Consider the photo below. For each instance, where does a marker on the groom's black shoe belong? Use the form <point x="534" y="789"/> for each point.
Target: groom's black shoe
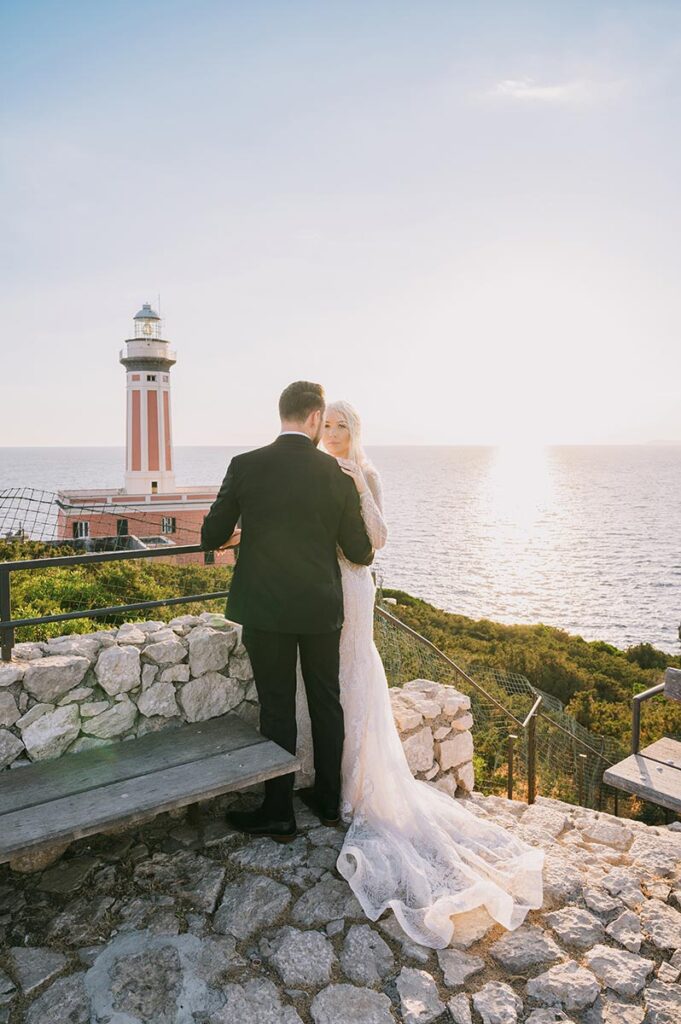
<point x="327" y="814"/>
<point x="260" y="823"/>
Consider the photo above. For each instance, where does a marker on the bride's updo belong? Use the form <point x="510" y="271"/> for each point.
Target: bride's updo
<point x="351" y="417"/>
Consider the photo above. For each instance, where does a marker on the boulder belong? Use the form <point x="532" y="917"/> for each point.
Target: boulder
<point x="118" y="669"/>
<point x="49" y="678"/>
<point x="50" y="735"/>
<point x="208" y="696"/>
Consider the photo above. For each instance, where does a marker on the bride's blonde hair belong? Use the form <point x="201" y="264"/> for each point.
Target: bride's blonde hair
<point x="351" y="417"/>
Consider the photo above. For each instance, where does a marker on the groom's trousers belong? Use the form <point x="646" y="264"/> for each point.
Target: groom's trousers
<point x="274" y="660"/>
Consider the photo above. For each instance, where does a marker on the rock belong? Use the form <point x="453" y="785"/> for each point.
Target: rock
<point x="86" y="647"/>
<point x="608" y="833"/>
<point x="12" y="671"/>
<point x="174" y="673"/>
<point x="623" y="883"/>
<point x="565" y="984"/>
<point x="209" y="649"/>
<point x="302" y="958"/>
<point x="662" y="1003"/>
<point x="130" y="633"/>
<point x="94" y="707"/>
<point x="419" y="750"/>
<point x="52" y="733"/>
<point x="346" y="1004"/>
<point x="609" y="1010"/>
<point x="265" y="854"/>
<point x="326" y="901"/>
<point x="9" y="712"/>
<point x="28" y="651"/>
<point x="465" y="776"/>
<point x="576" y="926"/>
<point x="10" y="747"/>
<point x="460" y="1009"/>
<point x="365" y="958"/>
<point x="82" y="922"/>
<point x="186" y="875"/>
<point x="147" y="985"/>
<point x="80" y="693"/>
<point x="166" y="652"/>
<point x="149" y="673"/>
<point x="457" y="966"/>
<point x="254" y="1002"/>
<point x="419" y="1000"/>
<point x="406" y="717"/>
<point x="525" y="947"/>
<point x="410" y="949"/>
<point x="39" y="859"/>
<point x="240" y="668"/>
<point x="158" y="699"/>
<point x="470" y="926"/>
<point x="87" y="743"/>
<point x="117" y="720"/>
<point x="661" y="924"/>
<point x="51" y="677"/>
<point x="562" y="879"/>
<point x="7" y="995"/>
<point x="549" y="1016"/>
<point x="497" y="1003"/>
<point x="68" y="876"/>
<point x="65" y="1001"/>
<point x="35" y="966"/>
<point x="456" y="750"/>
<point x="430" y="709"/>
<point x="208" y="696"/>
<point x="550" y="819"/>
<point x="626" y="929"/>
<point x="600" y="901"/>
<point x="32" y="714"/>
<point x="118" y="669"/>
<point x="249" y="904"/>
<point x="621" y="971"/>
<point x="462" y="722"/>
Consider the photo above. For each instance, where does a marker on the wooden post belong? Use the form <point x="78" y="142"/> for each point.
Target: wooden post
<point x="581" y="760"/>
<point x="512" y="737"/>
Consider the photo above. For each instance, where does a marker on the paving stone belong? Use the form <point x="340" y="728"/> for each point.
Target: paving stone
<point x="662" y="1003"/>
<point x="608" y="1009"/>
<point x="576" y="926"/>
<point x="249" y="904"/>
<point x="525" y="947"/>
<point x="365" y="958"/>
<point x="412" y="950"/>
<point x="608" y="833"/>
<point x="623" y="972"/>
<point x="565" y="984"/>
<point x="265" y="854"/>
<point x="419" y="1000"/>
<point x="82" y="922"/>
<point x="470" y="926"/>
<point x="328" y="900"/>
<point x="35" y="966"/>
<point x="600" y="901"/>
<point x="68" y="875"/>
<point x="626" y="929"/>
<point x="147" y="985"/>
<point x="254" y="1002"/>
<point x="302" y="957"/>
<point x="460" y="1009"/>
<point x="347" y="1004"/>
<point x="186" y="874"/>
<point x="497" y="1003"/>
<point x="457" y="966"/>
<point x="624" y="883"/>
<point x="561" y="877"/>
<point x="7" y="990"/>
<point x="661" y="924"/>
<point x="66" y="1001"/>
<point x="548" y="1016"/>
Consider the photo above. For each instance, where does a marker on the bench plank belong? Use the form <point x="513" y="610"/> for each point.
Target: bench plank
<point x="127" y="759"/>
<point x="651" y="780"/>
<point x="130" y="801"/>
<point x="665" y="750"/>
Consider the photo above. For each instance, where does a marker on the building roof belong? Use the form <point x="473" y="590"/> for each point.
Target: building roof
<point x="146" y="313"/>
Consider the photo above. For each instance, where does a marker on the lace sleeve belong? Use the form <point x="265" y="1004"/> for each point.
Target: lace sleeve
<point x="371" y="502"/>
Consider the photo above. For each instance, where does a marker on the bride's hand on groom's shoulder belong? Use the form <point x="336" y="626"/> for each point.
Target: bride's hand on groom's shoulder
<point x="353" y="470"/>
<point x="233" y="541"/>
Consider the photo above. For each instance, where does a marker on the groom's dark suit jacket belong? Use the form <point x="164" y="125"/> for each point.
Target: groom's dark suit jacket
<point x="295" y="505"/>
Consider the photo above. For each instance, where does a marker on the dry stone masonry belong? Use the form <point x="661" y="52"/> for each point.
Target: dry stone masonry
<point x="75" y="692"/>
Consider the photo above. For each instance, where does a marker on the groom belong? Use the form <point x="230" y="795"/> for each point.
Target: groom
<point x="296" y="505"/>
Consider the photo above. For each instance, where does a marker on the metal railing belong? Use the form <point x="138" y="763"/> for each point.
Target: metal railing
<point x="8" y="625"/>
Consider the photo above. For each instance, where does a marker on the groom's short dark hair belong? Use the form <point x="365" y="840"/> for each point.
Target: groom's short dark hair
<point x="299" y="399"/>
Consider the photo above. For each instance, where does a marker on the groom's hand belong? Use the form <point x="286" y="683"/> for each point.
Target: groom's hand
<point x="233" y="541"/>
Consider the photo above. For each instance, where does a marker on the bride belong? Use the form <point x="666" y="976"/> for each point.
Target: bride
<point x="409" y="846"/>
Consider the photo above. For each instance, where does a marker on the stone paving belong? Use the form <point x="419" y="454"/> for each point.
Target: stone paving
<point x="173" y="923"/>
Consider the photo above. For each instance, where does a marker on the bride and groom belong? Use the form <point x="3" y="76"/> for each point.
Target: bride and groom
<point x="311" y="521"/>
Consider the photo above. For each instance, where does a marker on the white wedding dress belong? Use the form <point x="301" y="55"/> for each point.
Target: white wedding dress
<point x="409" y="846"/>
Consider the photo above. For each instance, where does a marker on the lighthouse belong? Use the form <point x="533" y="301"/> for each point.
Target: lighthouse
<point x="147" y="359"/>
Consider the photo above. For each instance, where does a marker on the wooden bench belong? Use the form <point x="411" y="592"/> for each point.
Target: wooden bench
<point x="123" y="783"/>
<point x="654" y="773"/>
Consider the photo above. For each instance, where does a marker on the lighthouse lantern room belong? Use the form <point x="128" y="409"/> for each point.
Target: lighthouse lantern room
<point x="149" y="450"/>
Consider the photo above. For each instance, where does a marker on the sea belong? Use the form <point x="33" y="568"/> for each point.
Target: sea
<point x="585" y="538"/>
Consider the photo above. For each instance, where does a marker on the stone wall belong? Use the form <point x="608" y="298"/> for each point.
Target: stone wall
<point x="85" y="690"/>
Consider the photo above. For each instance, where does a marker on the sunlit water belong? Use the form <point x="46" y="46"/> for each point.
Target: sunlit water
<point x="584" y="538"/>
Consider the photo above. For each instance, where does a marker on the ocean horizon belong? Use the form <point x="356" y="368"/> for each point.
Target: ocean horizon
<point x="581" y="537"/>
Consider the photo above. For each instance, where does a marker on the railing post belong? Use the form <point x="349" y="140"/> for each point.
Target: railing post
<point x="616" y="808"/>
<point x="531" y="758"/>
<point x="512" y="737"/>
<point x="6" y="635"/>
<point x="581" y="761"/>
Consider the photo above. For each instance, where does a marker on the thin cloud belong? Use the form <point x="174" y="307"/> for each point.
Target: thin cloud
<point x="577" y="91"/>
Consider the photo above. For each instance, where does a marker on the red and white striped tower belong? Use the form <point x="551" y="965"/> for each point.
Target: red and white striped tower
<point x="147" y="359"/>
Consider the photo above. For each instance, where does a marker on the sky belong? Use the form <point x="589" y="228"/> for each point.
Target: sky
<point x="462" y="217"/>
